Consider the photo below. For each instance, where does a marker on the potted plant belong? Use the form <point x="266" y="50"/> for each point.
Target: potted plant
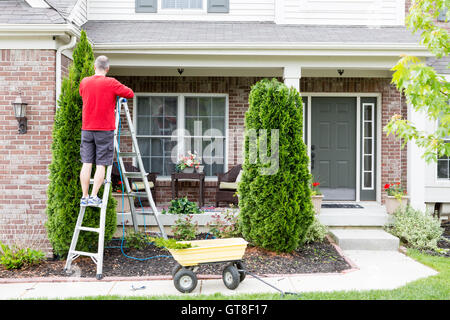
<point x="396" y="197"/>
<point x="117" y="194"/>
<point x="316" y="196"/>
<point x="187" y="163"/>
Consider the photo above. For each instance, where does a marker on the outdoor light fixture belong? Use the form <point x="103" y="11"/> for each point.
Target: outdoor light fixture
<point x="20" y="112"/>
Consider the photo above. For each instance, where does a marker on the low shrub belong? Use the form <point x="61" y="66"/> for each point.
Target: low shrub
<point x="136" y="240"/>
<point x="417" y="229"/>
<point x="182" y="206"/>
<point x="316" y="232"/>
<point x="15" y="257"/>
<point x="184" y="228"/>
<point x="224" y="226"/>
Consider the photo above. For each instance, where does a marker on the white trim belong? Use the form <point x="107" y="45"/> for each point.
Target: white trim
<point x="358" y="149"/>
<point x="180" y="120"/>
<point x="363" y="171"/>
<point x="358" y="96"/>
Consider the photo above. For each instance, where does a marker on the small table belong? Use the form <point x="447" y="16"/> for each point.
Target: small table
<point x="188" y="176"/>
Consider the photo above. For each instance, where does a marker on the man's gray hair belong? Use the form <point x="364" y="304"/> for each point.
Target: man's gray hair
<point x="102" y="63"/>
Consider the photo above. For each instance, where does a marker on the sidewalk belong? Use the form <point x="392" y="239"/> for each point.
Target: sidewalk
<point x="374" y="270"/>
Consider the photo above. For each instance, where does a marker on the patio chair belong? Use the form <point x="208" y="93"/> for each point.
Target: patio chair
<point x="227" y="185"/>
<point x="136" y="184"/>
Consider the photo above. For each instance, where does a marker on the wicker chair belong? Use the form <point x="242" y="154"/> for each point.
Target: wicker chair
<point x="136" y="184"/>
<point x="227" y="185"/>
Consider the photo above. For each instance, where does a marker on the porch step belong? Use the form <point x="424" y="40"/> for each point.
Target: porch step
<point x="371" y="215"/>
<point x="364" y="239"/>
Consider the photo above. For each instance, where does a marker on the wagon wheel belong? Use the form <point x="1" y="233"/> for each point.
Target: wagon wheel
<point x="185" y="280"/>
<point x="231" y="277"/>
<point x="175" y="269"/>
<point x="241" y="269"/>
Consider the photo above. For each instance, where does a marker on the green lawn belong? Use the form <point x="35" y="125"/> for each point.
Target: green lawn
<point x="431" y="288"/>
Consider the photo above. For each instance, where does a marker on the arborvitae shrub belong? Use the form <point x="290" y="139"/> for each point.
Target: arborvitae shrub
<point x="64" y="190"/>
<point x="276" y="209"/>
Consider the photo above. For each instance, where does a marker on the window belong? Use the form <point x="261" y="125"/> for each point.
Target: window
<point x="443" y="166"/>
<point x="368" y="145"/>
<point x="168" y="126"/>
<point x="181" y="4"/>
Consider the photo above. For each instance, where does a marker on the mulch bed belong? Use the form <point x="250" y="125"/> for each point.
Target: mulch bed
<point x="318" y="257"/>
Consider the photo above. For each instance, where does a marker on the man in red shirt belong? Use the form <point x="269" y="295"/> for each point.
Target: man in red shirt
<point x="98" y="124"/>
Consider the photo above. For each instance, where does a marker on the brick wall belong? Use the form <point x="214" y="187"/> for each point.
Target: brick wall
<point x="24" y="158"/>
<point x="393" y="157"/>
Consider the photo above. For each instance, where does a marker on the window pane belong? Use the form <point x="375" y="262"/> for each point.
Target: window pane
<point x="143" y="125"/>
<point x="367" y="180"/>
<point x="191" y="107"/>
<point x="143" y="106"/>
<point x="219" y="124"/>
<point x="367" y="146"/>
<point x="443" y="169"/>
<point x="368" y="112"/>
<point x="367" y="129"/>
<point x="218" y="106"/>
<point x="157" y="106"/>
<point x="204" y="106"/>
<point x="367" y="163"/>
<point x="144" y="146"/>
<point x="171" y="106"/>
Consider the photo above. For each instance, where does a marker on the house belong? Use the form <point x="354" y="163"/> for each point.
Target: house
<point x="195" y="61"/>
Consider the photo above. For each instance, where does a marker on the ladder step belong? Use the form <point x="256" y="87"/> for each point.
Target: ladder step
<point x="89" y="229"/>
<point x="125" y="133"/>
<point x="134" y="174"/>
<point x="145" y="212"/>
<point x="138" y="194"/>
<point x="82" y="253"/>
<point x="127" y="154"/>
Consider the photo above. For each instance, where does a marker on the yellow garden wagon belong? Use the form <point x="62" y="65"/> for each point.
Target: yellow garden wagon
<point x="206" y="252"/>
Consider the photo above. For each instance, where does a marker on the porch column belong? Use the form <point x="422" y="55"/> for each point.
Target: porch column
<point x="292" y="75"/>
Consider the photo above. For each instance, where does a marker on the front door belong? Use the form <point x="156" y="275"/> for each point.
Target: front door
<point x="333" y="146"/>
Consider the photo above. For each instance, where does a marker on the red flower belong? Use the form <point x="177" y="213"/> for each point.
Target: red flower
<point x="398" y="183"/>
<point x="315" y="184"/>
<point x="386" y="186"/>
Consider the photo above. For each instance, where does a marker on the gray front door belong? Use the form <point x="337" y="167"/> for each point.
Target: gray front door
<point x="333" y="146"/>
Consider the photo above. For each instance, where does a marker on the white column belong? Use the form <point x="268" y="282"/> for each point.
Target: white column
<point x="292" y="75"/>
<point x="416" y="164"/>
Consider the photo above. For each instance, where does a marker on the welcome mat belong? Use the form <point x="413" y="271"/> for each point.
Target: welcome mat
<point x="342" y="205"/>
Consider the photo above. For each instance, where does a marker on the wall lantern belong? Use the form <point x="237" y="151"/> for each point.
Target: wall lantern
<point x="20" y="112"/>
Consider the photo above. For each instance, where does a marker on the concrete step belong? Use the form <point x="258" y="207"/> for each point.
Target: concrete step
<point x="364" y="239"/>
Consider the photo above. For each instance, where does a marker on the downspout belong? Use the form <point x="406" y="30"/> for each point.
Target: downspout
<point x="59" y="52"/>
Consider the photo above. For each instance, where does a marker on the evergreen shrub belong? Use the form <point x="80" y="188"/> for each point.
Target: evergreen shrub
<point x="276" y="210"/>
<point x="64" y="190"/>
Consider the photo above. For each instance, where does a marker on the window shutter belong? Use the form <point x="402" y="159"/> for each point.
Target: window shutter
<point x="146" y="5"/>
<point x="219" y="6"/>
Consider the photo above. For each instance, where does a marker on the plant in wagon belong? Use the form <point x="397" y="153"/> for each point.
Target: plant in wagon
<point x="64" y="190"/>
<point x="275" y="201"/>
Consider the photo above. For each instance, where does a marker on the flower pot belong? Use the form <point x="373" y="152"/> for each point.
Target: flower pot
<point x="392" y="203"/>
<point x="200" y="169"/>
<point x="188" y="170"/>
<point x="126" y="203"/>
<point x="317" y="202"/>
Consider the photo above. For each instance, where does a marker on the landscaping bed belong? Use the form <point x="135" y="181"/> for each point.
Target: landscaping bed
<point x="316" y="257"/>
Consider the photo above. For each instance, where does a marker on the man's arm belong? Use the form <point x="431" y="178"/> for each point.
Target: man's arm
<point x="121" y="90"/>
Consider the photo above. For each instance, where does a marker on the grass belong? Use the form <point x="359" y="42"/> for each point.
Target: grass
<point x="431" y="288"/>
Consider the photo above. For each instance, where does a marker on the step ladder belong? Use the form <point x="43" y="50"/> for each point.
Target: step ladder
<point x="98" y="256"/>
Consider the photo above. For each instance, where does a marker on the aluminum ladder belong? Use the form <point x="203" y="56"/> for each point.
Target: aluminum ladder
<point x="98" y="256"/>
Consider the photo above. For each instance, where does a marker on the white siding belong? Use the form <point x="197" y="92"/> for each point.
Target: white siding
<point x="240" y="10"/>
<point x="341" y="12"/>
<point x="78" y="15"/>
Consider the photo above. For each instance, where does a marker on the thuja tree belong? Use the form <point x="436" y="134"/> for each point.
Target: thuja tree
<point x="274" y="196"/>
<point x="64" y="191"/>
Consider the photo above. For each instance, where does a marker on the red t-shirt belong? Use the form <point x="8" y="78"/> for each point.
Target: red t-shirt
<point x="99" y="101"/>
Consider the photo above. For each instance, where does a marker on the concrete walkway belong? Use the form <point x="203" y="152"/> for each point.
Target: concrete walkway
<point x="373" y="270"/>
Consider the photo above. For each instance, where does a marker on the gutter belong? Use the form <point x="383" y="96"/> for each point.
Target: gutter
<point x="59" y="52"/>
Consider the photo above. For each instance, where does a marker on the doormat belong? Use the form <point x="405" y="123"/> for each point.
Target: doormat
<point x="342" y="205"/>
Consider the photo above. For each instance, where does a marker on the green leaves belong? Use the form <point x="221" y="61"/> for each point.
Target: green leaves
<point x="426" y="91"/>
<point x="64" y="190"/>
<point x="275" y="209"/>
